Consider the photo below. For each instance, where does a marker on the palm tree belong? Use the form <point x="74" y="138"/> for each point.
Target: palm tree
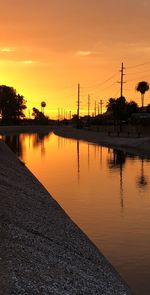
<point x="142" y="87"/>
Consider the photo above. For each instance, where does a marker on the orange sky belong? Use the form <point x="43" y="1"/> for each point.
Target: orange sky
<point x="47" y="47"/>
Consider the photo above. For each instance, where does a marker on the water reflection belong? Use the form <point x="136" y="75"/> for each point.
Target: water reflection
<point x="78" y="160"/>
<point x="15" y="143"/>
<point x="116" y="159"/>
<point x="101" y="155"/>
<point x="39" y="139"/>
<point x="142" y="180"/>
<point x="92" y="183"/>
<point x="88" y="145"/>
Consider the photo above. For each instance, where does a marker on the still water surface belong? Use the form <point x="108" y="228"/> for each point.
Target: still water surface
<point x="106" y="192"/>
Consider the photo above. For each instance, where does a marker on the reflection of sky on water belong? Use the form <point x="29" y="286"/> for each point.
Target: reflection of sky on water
<point x="105" y="191"/>
<point x="116" y="159"/>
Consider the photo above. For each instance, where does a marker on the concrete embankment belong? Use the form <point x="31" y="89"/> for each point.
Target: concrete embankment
<point x="41" y="250"/>
<point x="139" y="146"/>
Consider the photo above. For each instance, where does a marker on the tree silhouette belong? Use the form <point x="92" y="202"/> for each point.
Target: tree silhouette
<point x="39" y="116"/>
<point x="132" y="108"/>
<point x="117" y="107"/>
<point x="12" y="104"/>
<point x="142" y="87"/>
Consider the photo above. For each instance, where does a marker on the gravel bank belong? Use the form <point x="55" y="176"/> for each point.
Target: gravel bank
<point x="41" y="250"/>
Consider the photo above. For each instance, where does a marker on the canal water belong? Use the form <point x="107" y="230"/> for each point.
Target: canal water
<point x="105" y="191"/>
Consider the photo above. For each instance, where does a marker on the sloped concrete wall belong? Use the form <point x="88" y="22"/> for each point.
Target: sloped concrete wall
<point x="41" y="250"/>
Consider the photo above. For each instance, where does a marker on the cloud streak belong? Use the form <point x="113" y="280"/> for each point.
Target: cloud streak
<point x="7" y="49"/>
<point x="86" y="53"/>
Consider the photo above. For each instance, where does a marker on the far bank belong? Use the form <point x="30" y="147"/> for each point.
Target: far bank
<point x="133" y="144"/>
<point x="139" y="146"/>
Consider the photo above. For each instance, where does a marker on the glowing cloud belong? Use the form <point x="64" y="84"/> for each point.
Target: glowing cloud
<point x="7" y="49"/>
<point x="28" y="62"/>
<point x="84" y="53"/>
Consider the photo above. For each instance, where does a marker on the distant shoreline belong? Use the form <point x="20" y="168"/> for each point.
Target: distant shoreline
<point x="16" y="129"/>
<point x="138" y="146"/>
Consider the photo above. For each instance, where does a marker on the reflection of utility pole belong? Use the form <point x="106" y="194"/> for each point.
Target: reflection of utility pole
<point x="121" y="186"/>
<point x="29" y="140"/>
<point x="78" y="159"/>
<point x="101" y="153"/>
<point x="117" y="160"/>
<point x="42" y="147"/>
<point x="58" y="142"/>
<point x="78" y="103"/>
<point x="95" y="147"/>
<point x="142" y="181"/>
<point x="88" y="155"/>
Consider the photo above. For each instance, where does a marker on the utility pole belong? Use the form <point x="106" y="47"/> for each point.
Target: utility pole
<point x="61" y="114"/>
<point x="58" y="114"/>
<point x="101" y="106"/>
<point x="70" y="115"/>
<point x="88" y="119"/>
<point x="95" y="109"/>
<point x="88" y="105"/>
<point x="78" y="103"/>
<point x="121" y="80"/>
<point x="66" y="115"/>
<point x="98" y="108"/>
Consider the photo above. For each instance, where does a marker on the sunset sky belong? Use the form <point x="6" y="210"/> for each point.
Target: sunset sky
<point x="47" y="47"/>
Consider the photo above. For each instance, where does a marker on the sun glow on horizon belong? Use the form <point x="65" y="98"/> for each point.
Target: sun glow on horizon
<point x="44" y="55"/>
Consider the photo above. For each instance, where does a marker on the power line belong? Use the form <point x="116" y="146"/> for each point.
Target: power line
<point x="135" y="79"/>
<point x="107" y="87"/>
<point x="139" y="65"/>
<point x="116" y="93"/>
<point x="101" y="83"/>
<point x="66" y="88"/>
<point x="135" y="73"/>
